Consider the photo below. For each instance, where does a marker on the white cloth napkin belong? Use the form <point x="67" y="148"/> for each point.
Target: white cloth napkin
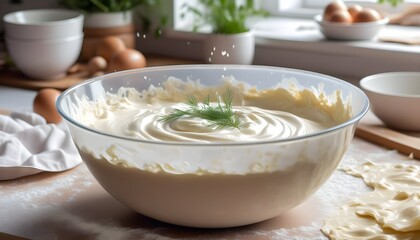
<point x="28" y="145"/>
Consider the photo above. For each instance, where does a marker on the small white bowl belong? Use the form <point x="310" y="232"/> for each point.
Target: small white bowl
<point x="44" y="59"/>
<point x="395" y="98"/>
<point x="351" y="31"/>
<point x="43" y="24"/>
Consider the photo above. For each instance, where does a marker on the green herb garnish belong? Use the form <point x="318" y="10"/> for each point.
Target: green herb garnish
<point x="392" y="2"/>
<point x="220" y="115"/>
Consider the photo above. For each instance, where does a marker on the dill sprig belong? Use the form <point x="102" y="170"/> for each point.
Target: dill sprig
<point x="220" y="115"/>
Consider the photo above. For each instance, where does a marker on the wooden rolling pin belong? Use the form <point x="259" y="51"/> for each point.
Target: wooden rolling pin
<point x="389" y="138"/>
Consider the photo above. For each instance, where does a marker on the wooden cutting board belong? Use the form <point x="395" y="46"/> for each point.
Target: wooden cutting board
<point x="372" y="129"/>
<point x="14" y="78"/>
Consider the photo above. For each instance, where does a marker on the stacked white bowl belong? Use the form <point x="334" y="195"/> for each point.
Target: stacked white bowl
<point x="44" y="43"/>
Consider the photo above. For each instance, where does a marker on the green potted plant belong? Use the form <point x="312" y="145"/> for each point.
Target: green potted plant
<point x="104" y="13"/>
<point x="230" y="41"/>
<point x="107" y="18"/>
<point x="101" y="5"/>
<point x="95" y="8"/>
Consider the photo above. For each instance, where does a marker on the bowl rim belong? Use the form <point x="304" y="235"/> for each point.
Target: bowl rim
<point x="353" y="120"/>
<point x="9" y="17"/>
<point x="319" y="19"/>
<point x="363" y="84"/>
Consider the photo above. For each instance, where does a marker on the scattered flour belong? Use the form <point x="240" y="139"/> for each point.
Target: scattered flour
<point x="34" y="195"/>
<point x="44" y="204"/>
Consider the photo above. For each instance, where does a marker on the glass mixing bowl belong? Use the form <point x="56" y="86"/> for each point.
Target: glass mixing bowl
<point x="234" y="183"/>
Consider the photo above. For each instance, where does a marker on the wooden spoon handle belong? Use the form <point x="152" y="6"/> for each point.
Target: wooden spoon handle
<point x="391" y="139"/>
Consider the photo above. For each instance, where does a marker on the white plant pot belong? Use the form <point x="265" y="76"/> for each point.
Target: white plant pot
<point x="99" y="25"/>
<point x="107" y="20"/>
<point x="229" y="48"/>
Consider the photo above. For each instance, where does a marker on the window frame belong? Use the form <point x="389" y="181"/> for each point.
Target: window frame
<point x="310" y="8"/>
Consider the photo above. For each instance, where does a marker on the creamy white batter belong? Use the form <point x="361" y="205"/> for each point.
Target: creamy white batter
<point x="390" y="211"/>
<point x="264" y="114"/>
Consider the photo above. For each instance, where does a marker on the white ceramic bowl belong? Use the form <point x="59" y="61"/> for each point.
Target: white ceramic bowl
<point x="44" y="59"/>
<point x="43" y="24"/>
<point x="350" y="31"/>
<point x="395" y="98"/>
<point x="222" y="190"/>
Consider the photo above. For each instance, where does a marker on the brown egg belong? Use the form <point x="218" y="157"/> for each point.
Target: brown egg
<point x="77" y="67"/>
<point x="108" y="46"/>
<point x="341" y="16"/>
<point x="333" y="7"/>
<point x="44" y="105"/>
<point x="354" y="10"/>
<point x="97" y="64"/>
<point x="367" y="15"/>
<point x="127" y="59"/>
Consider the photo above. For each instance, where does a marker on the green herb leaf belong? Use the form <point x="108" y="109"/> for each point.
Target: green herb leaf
<point x="103" y="5"/>
<point x="224" y="16"/>
<point x="220" y="115"/>
<point x="392" y="2"/>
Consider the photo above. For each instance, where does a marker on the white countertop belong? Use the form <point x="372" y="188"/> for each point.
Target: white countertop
<point x="16" y="99"/>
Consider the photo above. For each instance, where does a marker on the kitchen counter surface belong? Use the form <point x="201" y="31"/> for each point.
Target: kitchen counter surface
<point x="72" y="205"/>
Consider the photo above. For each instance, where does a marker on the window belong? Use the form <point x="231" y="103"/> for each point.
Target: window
<point x="294" y="8"/>
<point x="309" y="8"/>
<point x="304" y="9"/>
